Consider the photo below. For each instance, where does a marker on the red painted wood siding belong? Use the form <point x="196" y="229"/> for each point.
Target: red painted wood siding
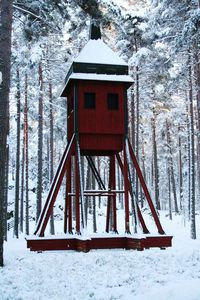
<point x="100" y="129"/>
<point x="101" y="120"/>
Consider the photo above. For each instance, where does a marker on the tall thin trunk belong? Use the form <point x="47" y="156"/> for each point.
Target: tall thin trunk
<point x="180" y="168"/>
<point x="22" y="191"/>
<point x="52" y="229"/>
<point x="26" y="156"/>
<point x="169" y="189"/>
<point x="173" y="182"/>
<point x="5" y="55"/>
<point x="137" y="128"/>
<point x="188" y="160"/>
<point x="40" y="145"/>
<point x="133" y="119"/>
<point x="155" y="159"/>
<point x="17" y="169"/>
<point x="193" y="221"/>
<point x="197" y="83"/>
<point x="143" y="169"/>
<point x="6" y="194"/>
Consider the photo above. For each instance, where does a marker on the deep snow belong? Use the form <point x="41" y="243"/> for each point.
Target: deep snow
<point x="173" y="273"/>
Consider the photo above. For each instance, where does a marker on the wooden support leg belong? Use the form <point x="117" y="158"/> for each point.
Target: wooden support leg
<point x="109" y="201"/>
<point x="113" y="187"/>
<point x="68" y="201"/>
<point x="66" y="206"/>
<point x="55" y="186"/>
<point x="77" y="198"/>
<point x="141" y="219"/>
<point x="145" y="190"/>
<point x="126" y="192"/>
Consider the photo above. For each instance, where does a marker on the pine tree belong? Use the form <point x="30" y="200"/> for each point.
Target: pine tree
<point x="17" y="165"/>
<point x="40" y="145"/>
<point x="5" y="54"/>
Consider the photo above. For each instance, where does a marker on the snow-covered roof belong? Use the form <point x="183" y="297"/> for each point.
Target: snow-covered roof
<point x="102" y="77"/>
<point x="97" y="52"/>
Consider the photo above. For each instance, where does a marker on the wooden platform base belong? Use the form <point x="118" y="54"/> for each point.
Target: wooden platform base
<point x="85" y="245"/>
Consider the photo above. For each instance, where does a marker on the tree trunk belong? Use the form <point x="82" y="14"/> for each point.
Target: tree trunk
<point x="193" y="221"/>
<point x="52" y="229"/>
<point x="155" y="160"/>
<point x="26" y="155"/>
<point x="6" y="193"/>
<point x="17" y="167"/>
<point x="197" y="83"/>
<point x="180" y="168"/>
<point x="22" y="191"/>
<point x="169" y="189"/>
<point x="188" y="161"/>
<point x="137" y="129"/>
<point x="40" y="145"/>
<point x="171" y="166"/>
<point x="5" y="54"/>
<point x="143" y="171"/>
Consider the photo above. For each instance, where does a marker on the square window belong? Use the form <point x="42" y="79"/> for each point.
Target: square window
<point x="89" y="100"/>
<point x="113" y="101"/>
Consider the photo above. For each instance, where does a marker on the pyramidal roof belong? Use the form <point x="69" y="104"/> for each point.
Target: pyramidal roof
<point x="97" y="52"/>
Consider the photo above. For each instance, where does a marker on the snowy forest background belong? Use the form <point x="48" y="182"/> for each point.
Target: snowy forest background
<point x="160" y="41"/>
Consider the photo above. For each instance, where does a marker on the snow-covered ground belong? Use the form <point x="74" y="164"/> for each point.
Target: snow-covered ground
<point x="168" y="274"/>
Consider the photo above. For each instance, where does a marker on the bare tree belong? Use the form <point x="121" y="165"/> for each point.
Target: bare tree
<point x="26" y="155"/>
<point x="52" y="229"/>
<point x="17" y="166"/>
<point x="5" y="54"/>
<point x="40" y="144"/>
<point x="192" y="153"/>
<point x="171" y="165"/>
<point x="155" y="161"/>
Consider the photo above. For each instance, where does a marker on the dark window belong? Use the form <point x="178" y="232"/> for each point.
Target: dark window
<point x="113" y="102"/>
<point x="90" y="100"/>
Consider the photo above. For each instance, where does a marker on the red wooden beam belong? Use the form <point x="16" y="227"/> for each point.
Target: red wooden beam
<point x="128" y="242"/>
<point x="113" y="187"/>
<point x="141" y="219"/>
<point x="109" y="204"/>
<point x="145" y="189"/>
<point x="126" y="197"/>
<point x="68" y="201"/>
<point x="77" y="199"/>
<point x="55" y="186"/>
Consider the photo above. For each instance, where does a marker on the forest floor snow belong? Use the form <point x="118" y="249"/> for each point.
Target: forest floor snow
<point x="155" y="274"/>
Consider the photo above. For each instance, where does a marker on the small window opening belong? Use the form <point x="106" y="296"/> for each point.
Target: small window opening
<point x="113" y="102"/>
<point x="90" y="100"/>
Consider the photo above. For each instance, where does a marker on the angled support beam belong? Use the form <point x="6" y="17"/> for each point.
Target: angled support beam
<point x="55" y="186"/>
<point x="127" y="190"/>
<point x="95" y="173"/>
<point x="141" y="219"/>
<point x="131" y="186"/>
<point x="109" y="203"/>
<point x="77" y="197"/>
<point x="68" y="199"/>
<point x="145" y="190"/>
<point x="113" y="197"/>
<point x="80" y="188"/>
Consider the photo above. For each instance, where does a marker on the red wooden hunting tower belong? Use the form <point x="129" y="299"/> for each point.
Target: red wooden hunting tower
<point x="97" y="118"/>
